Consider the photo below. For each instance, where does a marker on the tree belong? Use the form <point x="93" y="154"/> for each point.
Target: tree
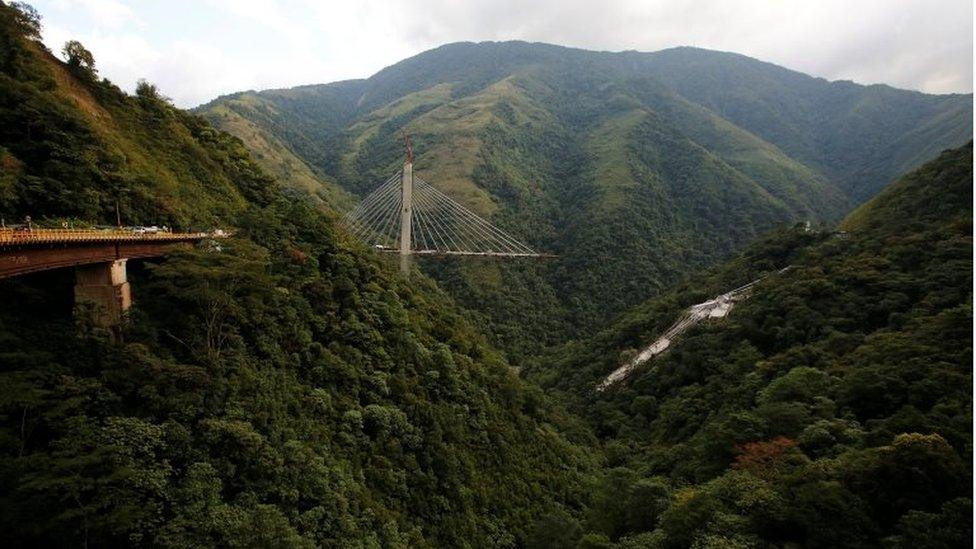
<point x="78" y="56"/>
<point x="764" y="457"/>
<point x="648" y="498"/>
<point x="951" y="527"/>
<point x="609" y="510"/>
<point x="27" y="18"/>
<point x="916" y="472"/>
<point x="149" y="92"/>
<point x="146" y="89"/>
<point x="556" y="529"/>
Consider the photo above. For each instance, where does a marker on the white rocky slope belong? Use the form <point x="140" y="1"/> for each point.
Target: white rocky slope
<point x="717" y="307"/>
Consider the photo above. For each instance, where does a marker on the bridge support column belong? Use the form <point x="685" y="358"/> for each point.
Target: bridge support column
<point x="406" y="185"/>
<point x="105" y="286"/>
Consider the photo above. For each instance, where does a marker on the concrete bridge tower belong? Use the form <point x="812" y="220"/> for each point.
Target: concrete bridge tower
<point x="406" y="201"/>
<point x="431" y="224"/>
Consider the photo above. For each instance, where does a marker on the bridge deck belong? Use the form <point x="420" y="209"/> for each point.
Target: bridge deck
<point x="23" y="251"/>
<point x="12" y="237"/>
<point x="448" y="253"/>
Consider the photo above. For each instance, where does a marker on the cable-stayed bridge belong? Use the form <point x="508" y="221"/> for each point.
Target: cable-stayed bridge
<point x="409" y="216"/>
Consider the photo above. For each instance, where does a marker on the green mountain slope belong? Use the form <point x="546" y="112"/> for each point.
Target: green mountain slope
<point x="636" y="168"/>
<point x="831" y="408"/>
<point x="281" y="390"/>
<point x="73" y="148"/>
<point x="287" y="389"/>
<point x="274" y="157"/>
<point x="860" y="137"/>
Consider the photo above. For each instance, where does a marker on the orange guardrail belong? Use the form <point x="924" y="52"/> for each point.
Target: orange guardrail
<point x="40" y="236"/>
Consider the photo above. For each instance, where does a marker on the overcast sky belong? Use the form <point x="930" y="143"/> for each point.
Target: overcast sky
<point x="195" y="50"/>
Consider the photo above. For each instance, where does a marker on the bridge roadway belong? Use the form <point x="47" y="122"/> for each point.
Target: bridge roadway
<point x="23" y="252"/>
<point x="97" y="256"/>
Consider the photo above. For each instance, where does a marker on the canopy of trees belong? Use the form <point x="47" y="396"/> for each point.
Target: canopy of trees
<point x="280" y="390"/>
<point x="286" y="388"/>
<point x="833" y="408"/>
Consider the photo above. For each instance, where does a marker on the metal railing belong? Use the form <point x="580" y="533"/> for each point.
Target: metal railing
<point x="9" y="236"/>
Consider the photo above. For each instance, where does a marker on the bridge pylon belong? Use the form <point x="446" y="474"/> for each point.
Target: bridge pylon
<point x="406" y="200"/>
<point x="410" y="217"/>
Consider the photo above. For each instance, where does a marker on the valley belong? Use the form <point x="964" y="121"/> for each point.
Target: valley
<point x="620" y="163"/>
<point x="680" y="299"/>
<point x="801" y="394"/>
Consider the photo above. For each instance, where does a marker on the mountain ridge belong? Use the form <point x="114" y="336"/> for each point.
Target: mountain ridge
<point x="511" y="130"/>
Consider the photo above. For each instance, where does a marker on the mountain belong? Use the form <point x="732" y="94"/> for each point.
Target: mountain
<point x="831" y="408"/>
<point x="286" y="388"/>
<point x="635" y="168"/>
<point x="249" y="120"/>
<point x="283" y="389"/>
<point x="859" y="137"/>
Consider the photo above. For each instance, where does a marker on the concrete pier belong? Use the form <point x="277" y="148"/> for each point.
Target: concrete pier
<point x="105" y="286"/>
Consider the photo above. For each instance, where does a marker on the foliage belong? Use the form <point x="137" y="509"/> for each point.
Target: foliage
<point x="830" y="409"/>
<point x="78" y="56"/>
<point x="27" y="19"/>
<point x="282" y="389"/>
<point x="78" y="148"/>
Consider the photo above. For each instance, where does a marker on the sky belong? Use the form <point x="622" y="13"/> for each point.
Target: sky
<point x="196" y="50"/>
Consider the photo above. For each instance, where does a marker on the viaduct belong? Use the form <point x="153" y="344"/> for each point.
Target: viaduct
<point x="97" y="256"/>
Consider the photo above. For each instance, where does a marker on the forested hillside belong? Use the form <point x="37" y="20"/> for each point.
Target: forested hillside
<point x="76" y="148"/>
<point x="833" y="408"/>
<point x="282" y="389"/>
<point x="636" y="168"/>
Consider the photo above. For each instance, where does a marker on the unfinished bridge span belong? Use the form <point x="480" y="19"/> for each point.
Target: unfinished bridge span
<point x="410" y="217"/>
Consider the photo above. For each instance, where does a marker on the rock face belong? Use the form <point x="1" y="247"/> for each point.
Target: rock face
<point x="719" y="307"/>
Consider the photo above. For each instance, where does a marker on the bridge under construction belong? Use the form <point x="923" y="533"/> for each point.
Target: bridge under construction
<point x="408" y="216"/>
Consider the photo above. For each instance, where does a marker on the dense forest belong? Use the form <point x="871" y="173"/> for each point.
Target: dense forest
<point x="637" y="169"/>
<point x="833" y="408"/>
<point x="286" y="388"/>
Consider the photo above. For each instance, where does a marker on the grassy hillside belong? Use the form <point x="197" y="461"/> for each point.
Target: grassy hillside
<point x="931" y="195"/>
<point x="636" y="168"/>
<point x="831" y="408"/>
<point x="74" y="147"/>
<point x="281" y="390"/>
<point x="275" y="158"/>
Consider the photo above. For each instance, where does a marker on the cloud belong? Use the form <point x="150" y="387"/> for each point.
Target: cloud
<point x="100" y="13"/>
<point x="904" y="43"/>
<point x="197" y="49"/>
